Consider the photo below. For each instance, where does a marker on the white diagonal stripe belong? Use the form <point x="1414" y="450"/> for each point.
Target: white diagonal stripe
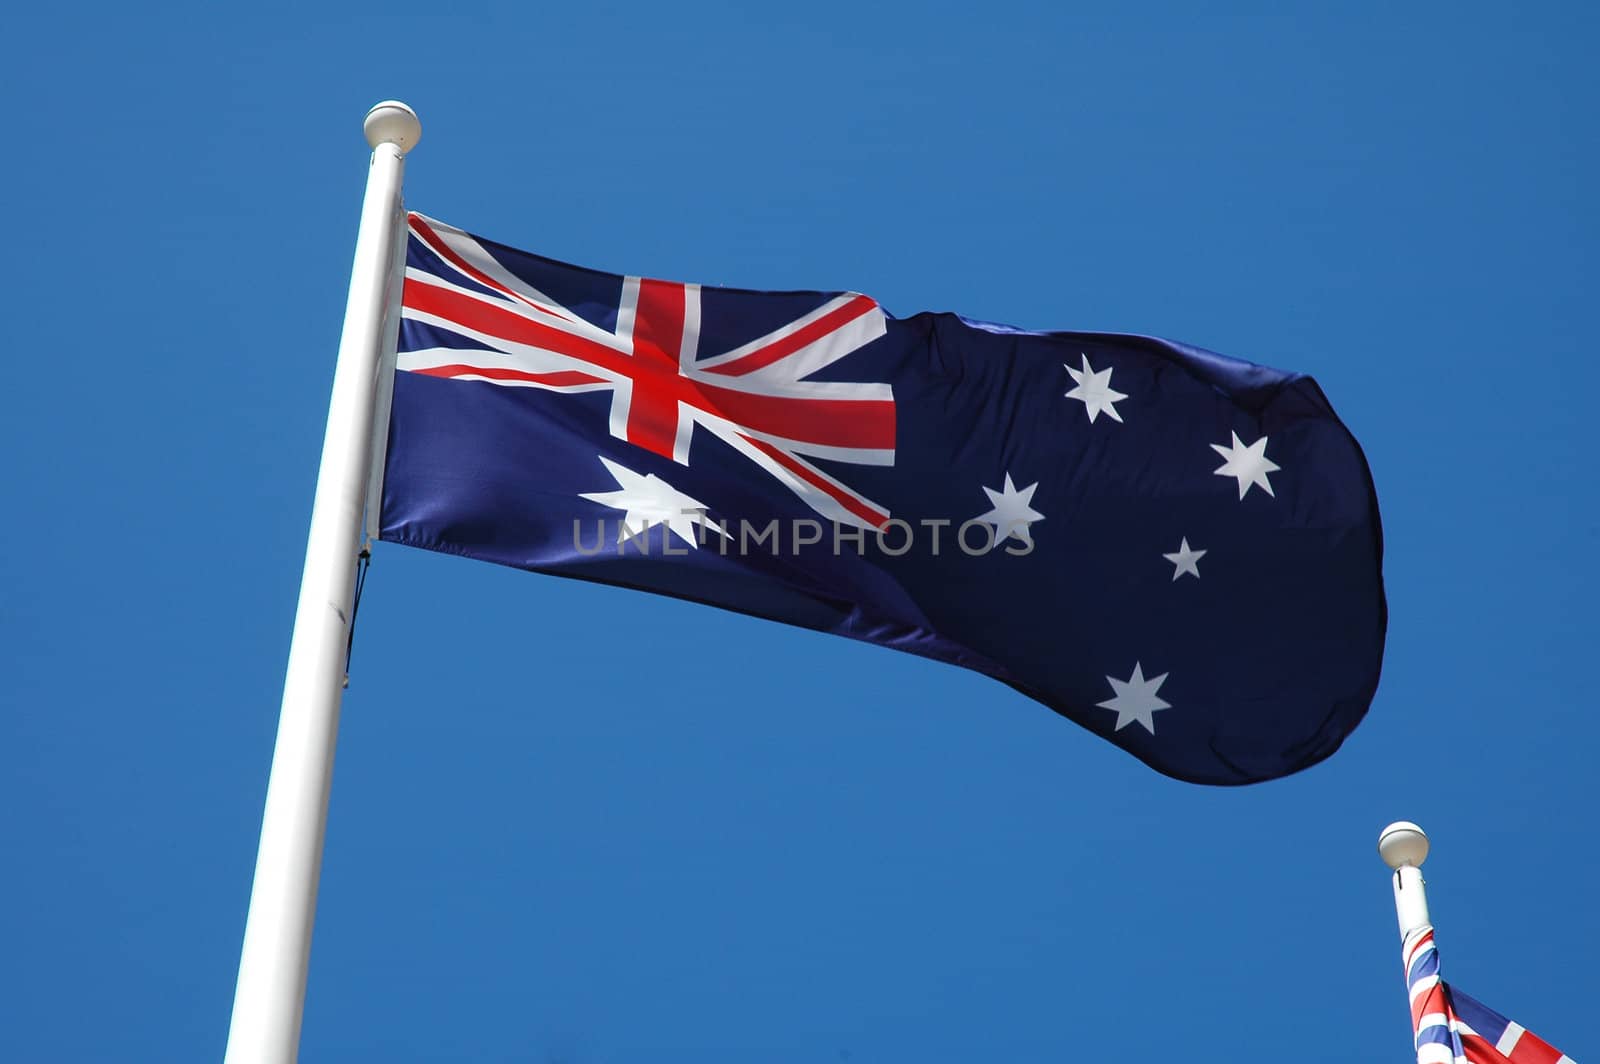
<point x="476" y="256"/>
<point x="815" y="355"/>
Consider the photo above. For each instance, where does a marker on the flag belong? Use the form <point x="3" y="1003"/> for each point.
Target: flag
<point x="1452" y="1028"/>
<point x="1178" y="551"/>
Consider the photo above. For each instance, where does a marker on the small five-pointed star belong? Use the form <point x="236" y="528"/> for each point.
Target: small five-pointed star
<point x="649" y="500"/>
<point x="1094" y="390"/>
<point x="1011" y="513"/>
<point x="1185" y="560"/>
<point x="1135" y="699"/>
<point x="1250" y="465"/>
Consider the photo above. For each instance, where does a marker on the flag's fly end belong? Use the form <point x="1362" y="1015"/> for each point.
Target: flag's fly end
<point x="392" y="122"/>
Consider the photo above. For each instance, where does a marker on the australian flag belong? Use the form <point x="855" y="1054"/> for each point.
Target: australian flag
<point x="1176" y="550"/>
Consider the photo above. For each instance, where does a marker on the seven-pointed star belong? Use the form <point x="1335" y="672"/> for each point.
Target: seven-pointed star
<point x="1185" y="560"/>
<point x="1094" y="390"/>
<point x="1011" y="515"/>
<point x="1250" y="465"/>
<point x="1136" y="699"/>
<point x="649" y="500"/>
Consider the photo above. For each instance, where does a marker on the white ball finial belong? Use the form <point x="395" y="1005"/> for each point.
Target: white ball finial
<point x="1403" y="843"/>
<point x="392" y="122"/>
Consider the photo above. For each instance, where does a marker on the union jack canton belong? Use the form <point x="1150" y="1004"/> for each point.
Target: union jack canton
<point x="1452" y="1028"/>
<point x="755" y="397"/>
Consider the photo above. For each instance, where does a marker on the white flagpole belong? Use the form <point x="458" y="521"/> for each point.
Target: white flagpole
<point x="1403" y="847"/>
<point x="270" y="995"/>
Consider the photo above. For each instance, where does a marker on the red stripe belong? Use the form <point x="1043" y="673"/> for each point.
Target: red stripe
<point x="850" y="423"/>
<point x="559" y="379"/>
<point x="657" y="340"/>
<point x="863" y="423"/>
<point x="658" y="321"/>
<point x="766" y="356"/>
<point x="507" y="324"/>
<point x="449" y="254"/>
<point x="1433" y="1001"/>
<point x="874" y="517"/>
<point x="1531" y="1049"/>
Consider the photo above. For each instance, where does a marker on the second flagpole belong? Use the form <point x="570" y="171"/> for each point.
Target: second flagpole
<point x="1403" y="847"/>
<point x="269" y="998"/>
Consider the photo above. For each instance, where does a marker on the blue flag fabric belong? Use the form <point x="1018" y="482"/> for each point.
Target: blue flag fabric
<point x="1176" y="550"/>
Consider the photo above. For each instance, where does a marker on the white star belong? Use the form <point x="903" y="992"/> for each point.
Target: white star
<point x="1136" y="699"/>
<point x="1249" y="464"/>
<point x="1011" y="515"/>
<point x="1094" y="390"/>
<point x="1185" y="560"/>
<point x="649" y="500"/>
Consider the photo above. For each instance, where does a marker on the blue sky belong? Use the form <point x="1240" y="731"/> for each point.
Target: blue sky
<point x="573" y="824"/>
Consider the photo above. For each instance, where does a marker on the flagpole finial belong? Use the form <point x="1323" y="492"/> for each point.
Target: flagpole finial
<point x="1403" y="843"/>
<point x="392" y="122"/>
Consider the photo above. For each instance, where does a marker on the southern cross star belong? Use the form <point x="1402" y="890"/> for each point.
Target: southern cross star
<point x="649" y="500"/>
<point x="1011" y="513"/>
<point x="1185" y="560"/>
<point x="1094" y="390"/>
<point x="1249" y="465"/>
<point x="1136" y="699"/>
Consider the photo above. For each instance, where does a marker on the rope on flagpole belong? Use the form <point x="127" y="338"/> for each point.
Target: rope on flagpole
<point x="363" y="563"/>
